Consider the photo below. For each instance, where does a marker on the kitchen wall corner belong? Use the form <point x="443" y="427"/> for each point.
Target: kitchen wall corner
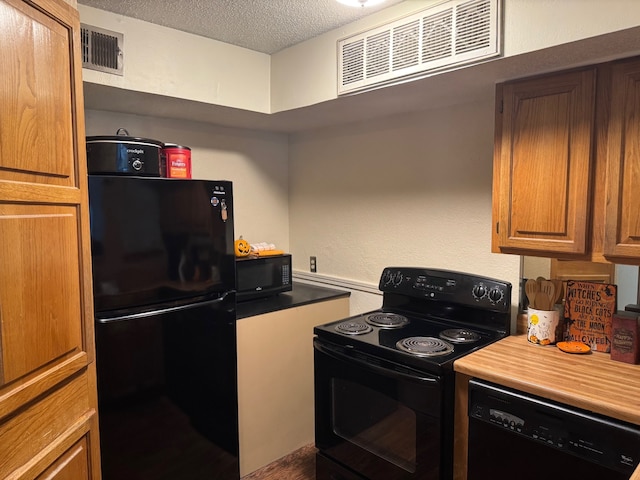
<point x="256" y="163"/>
<point x="409" y="190"/>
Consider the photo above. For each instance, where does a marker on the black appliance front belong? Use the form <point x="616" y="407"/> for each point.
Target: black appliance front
<point x="164" y="300"/>
<point x="167" y="394"/>
<point x="516" y="435"/>
<point x="159" y="241"/>
<point x="383" y="412"/>
<point x="377" y="419"/>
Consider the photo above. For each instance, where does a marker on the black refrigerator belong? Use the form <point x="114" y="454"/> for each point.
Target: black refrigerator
<point x="164" y="300"/>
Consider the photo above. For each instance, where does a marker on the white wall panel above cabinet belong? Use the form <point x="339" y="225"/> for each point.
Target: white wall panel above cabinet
<point x="163" y="61"/>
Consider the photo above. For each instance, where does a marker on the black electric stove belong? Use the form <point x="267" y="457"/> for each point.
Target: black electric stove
<point x="428" y="319"/>
<point x="384" y="380"/>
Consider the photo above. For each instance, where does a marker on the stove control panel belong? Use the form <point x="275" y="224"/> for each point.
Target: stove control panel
<point x="446" y="285"/>
<point x="494" y="294"/>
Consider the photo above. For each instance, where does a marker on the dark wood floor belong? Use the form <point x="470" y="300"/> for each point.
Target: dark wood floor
<point x="299" y="465"/>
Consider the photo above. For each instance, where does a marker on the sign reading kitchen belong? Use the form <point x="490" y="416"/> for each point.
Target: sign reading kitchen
<point x="588" y="310"/>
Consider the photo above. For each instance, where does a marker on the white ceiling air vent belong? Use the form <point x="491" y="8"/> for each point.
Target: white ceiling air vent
<point x="448" y="34"/>
<point x="102" y="50"/>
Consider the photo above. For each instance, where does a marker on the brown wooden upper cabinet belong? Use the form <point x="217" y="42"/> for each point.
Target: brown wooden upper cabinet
<point x="622" y="213"/>
<point x="542" y="164"/>
<point x="567" y="164"/>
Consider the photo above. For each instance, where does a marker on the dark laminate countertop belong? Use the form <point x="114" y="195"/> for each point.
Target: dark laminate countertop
<point x="302" y="294"/>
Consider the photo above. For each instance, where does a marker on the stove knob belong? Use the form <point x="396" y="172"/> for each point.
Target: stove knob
<point x="397" y="279"/>
<point x="495" y="295"/>
<point x="479" y="291"/>
<point x="386" y="277"/>
<point x="137" y="164"/>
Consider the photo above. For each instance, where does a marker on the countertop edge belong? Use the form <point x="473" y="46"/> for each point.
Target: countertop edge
<point x="301" y="294"/>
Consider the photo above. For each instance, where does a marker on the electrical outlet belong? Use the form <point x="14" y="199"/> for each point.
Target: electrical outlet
<point x="312" y="264"/>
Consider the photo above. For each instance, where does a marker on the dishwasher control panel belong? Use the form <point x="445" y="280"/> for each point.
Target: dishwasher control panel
<point x="543" y="430"/>
<point x="596" y="438"/>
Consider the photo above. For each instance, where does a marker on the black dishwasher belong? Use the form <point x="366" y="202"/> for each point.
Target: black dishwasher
<point x="517" y="435"/>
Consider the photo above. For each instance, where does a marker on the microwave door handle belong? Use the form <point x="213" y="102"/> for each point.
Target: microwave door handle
<point x="160" y="311"/>
<point x="376" y="368"/>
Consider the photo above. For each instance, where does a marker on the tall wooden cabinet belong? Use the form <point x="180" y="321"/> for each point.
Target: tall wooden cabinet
<point x="567" y="164"/>
<point x="48" y="401"/>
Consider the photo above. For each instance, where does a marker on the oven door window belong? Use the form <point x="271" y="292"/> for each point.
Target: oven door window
<point x="375" y="422"/>
<point x="380" y="423"/>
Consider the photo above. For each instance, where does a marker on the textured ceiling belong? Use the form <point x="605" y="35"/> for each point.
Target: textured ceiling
<point x="266" y="26"/>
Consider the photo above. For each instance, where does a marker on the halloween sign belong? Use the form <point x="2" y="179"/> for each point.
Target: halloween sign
<point x="588" y="311"/>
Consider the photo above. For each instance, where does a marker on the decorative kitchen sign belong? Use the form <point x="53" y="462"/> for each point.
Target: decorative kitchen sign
<point x="588" y="311"/>
<point x="624" y="337"/>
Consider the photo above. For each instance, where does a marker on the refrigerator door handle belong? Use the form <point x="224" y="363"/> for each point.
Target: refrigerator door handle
<point x="160" y="311"/>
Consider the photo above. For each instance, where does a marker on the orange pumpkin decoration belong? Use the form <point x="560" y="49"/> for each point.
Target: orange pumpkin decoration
<point x="241" y="247"/>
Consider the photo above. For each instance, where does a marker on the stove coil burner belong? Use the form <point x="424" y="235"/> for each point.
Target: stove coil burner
<point x="459" y="335"/>
<point x="353" y="327"/>
<point x="424" y="346"/>
<point x="387" y="320"/>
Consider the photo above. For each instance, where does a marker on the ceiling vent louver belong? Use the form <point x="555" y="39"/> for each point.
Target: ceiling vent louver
<point x="102" y="50"/>
<point x="452" y="33"/>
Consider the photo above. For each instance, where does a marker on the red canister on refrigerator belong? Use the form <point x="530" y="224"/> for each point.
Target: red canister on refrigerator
<point x="178" y="160"/>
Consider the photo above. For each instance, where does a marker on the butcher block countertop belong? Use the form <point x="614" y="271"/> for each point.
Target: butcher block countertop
<point x="590" y="381"/>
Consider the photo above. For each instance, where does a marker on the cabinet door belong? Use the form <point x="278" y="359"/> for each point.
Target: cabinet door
<point x="542" y="163"/>
<point x="622" y="214"/>
<point x="43" y="322"/>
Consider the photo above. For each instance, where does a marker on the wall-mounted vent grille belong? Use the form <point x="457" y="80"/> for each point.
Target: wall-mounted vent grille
<point x="377" y="55"/>
<point x="438" y="38"/>
<point x="102" y="50"/>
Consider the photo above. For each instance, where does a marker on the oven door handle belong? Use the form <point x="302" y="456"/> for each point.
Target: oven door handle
<point x="376" y="368"/>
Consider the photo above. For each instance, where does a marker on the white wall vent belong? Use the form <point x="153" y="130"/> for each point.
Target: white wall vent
<point x="102" y="50"/>
<point x="449" y="34"/>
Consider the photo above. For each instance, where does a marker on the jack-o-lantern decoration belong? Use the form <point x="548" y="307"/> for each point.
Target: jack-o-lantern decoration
<point x="242" y="247"/>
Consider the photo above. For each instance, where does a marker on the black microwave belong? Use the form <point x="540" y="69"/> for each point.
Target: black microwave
<point x="262" y="276"/>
